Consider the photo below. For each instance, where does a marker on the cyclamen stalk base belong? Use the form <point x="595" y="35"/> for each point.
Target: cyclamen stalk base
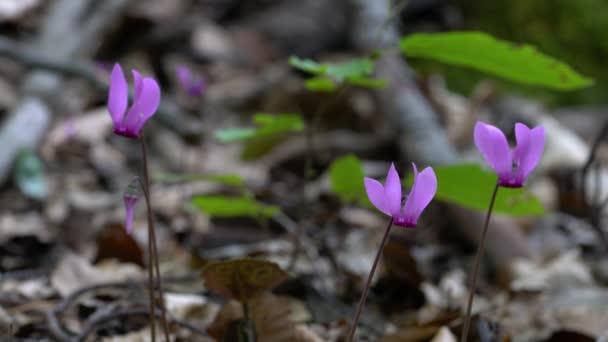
<point x="152" y="250"/>
<point x="480" y="248"/>
<point x="368" y="283"/>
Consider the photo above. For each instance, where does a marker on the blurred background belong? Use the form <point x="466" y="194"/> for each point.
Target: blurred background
<point x="271" y="114"/>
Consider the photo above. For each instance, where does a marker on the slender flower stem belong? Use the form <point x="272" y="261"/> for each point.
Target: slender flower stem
<point x="467" y="317"/>
<point x="368" y="283"/>
<point x="152" y="248"/>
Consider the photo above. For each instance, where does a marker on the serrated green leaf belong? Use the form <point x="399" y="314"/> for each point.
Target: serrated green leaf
<point x="346" y="179"/>
<point x="29" y="175"/>
<point x="221" y="206"/>
<point x="227" y="179"/>
<point x="320" y="84"/>
<point x="269" y="125"/>
<point x="516" y="62"/>
<point x="471" y="186"/>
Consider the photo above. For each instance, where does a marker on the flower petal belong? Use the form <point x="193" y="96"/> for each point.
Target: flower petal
<point x="148" y="101"/>
<point x="392" y="192"/>
<point x="423" y="191"/>
<point x="375" y="193"/>
<point x="117" y="95"/>
<point x="494" y="147"/>
<point x="137" y="85"/>
<point x="533" y="143"/>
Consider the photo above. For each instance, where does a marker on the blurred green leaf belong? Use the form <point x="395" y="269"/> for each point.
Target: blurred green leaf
<point x="516" y="62"/>
<point x="366" y="82"/>
<point x="227" y="179"/>
<point x="355" y="72"/>
<point x="221" y="206"/>
<point x="352" y="68"/>
<point x="346" y="179"/>
<point x="471" y="186"/>
<point x="29" y="175"/>
<point x="269" y="125"/>
<point x="307" y="65"/>
<point x="320" y="84"/>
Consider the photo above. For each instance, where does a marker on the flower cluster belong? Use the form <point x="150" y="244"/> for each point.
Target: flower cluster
<point x="512" y="168"/>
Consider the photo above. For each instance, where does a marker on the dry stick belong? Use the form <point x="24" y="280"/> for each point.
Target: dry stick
<point x="467" y="317"/>
<point x="368" y="283"/>
<point x="153" y="251"/>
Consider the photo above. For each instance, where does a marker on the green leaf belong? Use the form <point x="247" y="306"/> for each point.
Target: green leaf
<point x="516" y="62"/>
<point x="471" y="186"/>
<point x="355" y="72"/>
<point x="220" y="206"/>
<point x="226" y="179"/>
<point x="346" y="179"/>
<point x="351" y="68"/>
<point x="29" y="175"/>
<point x="366" y="82"/>
<point x="269" y="125"/>
<point x="320" y="84"/>
<point x="307" y="65"/>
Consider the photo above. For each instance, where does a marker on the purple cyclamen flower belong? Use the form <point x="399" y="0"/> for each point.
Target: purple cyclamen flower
<point x="387" y="198"/>
<point x="512" y="167"/>
<point x="146" y="99"/>
<point x="193" y="86"/>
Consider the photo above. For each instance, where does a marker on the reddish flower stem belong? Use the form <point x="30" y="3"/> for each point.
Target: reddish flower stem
<point x="368" y="283"/>
<point x="152" y="250"/>
<point x="467" y="317"/>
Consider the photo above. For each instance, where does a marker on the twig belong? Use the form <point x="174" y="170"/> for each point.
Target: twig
<point x="53" y="316"/>
<point x="94" y="324"/>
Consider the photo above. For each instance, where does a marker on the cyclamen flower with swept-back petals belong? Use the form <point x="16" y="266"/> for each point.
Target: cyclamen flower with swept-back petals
<point x="193" y="86"/>
<point x="387" y="197"/>
<point x="146" y="99"/>
<point x="512" y="167"/>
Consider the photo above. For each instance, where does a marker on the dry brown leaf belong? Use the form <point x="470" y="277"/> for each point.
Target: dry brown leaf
<point x="75" y="271"/>
<point x="444" y="335"/>
<point x="274" y="318"/>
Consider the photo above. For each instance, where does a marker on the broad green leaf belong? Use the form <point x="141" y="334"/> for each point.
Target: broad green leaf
<point x="346" y="179"/>
<point x="320" y="84"/>
<point x="516" y="62"/>
<point x="221" y="206"/>
<point x="29" y="175"/>
<point x="227" y="179"/>
<point x="471" y="186"/>
<point x="269" y="125"/>
<point x="241" y="279"/>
